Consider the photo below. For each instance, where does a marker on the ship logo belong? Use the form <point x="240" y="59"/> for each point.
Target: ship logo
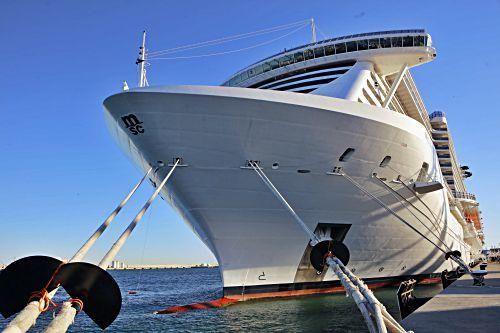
<point x="133" y="124"/>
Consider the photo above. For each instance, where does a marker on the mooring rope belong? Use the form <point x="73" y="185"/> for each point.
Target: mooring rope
<point x="434" y="223"/>
<point x="366" y="301"/>
<point x="458" y="260"/>
<point x="25" y="319"/>
<point x="61" y="325"/>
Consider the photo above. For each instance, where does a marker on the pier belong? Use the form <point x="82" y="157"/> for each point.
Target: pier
<point x="461" y="307"/>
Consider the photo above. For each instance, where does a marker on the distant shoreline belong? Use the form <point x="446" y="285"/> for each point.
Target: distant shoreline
<point x="135" y="268"/>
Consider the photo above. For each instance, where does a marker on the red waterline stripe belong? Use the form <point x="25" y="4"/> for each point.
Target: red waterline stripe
<point x="225" y="301"/>
<point x="217" y="303"/>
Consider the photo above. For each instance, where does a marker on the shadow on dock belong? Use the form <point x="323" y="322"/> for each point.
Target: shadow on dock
<point x="461" y="307"/>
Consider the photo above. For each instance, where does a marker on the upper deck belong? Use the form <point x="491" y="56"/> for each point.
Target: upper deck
<point x="386" y="49"/>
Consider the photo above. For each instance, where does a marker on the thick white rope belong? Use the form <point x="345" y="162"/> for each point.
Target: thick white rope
<point x="63" y="320"/>
<point x="110" y="255"/>
<point x="355" y="287"/>
<point x="25" y="319"/>
<point x="278" y="195"/>
<point x="68" y="317"/>
<point x="459" y="261"/>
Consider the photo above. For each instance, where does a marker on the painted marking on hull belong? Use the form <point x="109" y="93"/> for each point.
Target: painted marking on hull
<point x="217" y="303"/>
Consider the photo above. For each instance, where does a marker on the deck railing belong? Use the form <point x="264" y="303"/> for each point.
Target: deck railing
<point x="463" y="195"/>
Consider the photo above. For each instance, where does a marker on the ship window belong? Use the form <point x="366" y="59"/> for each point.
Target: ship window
<point x="340" y="48"/>
<point x="258" y="70"/>
<point x="397" y="41"/>
<point x="385" y="162"/>
<point x="274" y="64"/>
<point x="385" y="42"/>
<point x="351" y="46"/>
<point x="266" y="67"/>
<point x="319" y="52"/>
<point x="299" y="56"/>
<point x="362" y="45"/>
<point x="419" y="41"/>
<point x="407" y="41"/>
<point x="329" y="50"/>
<point x="374" y="43"/>
<point x="308" y="54"/>
<point x="346" y="154"/>
<point x="286" y="60"/>
<point x="244" y="76"/>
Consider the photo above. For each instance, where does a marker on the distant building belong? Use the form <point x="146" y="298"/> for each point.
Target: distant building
<point x="115" y="264"/>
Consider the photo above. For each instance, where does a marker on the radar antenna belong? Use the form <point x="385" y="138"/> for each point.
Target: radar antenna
<point x="141" y="61"/>
<point x="313" y="31"/>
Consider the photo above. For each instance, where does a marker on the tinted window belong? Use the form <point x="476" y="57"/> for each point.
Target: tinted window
<point x="419" y="41"/>
<point x="266" y="67"/>
<point x="308" y="54"/>
<point x="340" y="48"/>
<point x="274" y="64"/>
<point x="319" y="52"/>
<point x="244" y="76"/>
<point x="286" y="60"/>
<point x="299" y="56"/>
<point x="385" y="42"/>
<point x="329" y="50"/>
<point x="397" y="41"/>
<point x="363" y="45"/>
<point x="374" y="43"/>
<point x="351" y="46"/>
<point x="407" y="41"/>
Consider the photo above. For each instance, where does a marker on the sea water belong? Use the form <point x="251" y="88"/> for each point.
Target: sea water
<point x="161" y="288"/>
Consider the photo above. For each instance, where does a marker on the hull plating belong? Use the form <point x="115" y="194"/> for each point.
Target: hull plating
<point x="256" y="242"/>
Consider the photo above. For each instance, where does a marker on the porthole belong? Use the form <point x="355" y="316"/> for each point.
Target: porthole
<point x="403" y="268"/>
<point x="303" y="171"/>
<point x="346" y="155"/>
<point x="385" y="161"/>
<point x="353" y="270"/>
<point x="381" y="269"/>
<point x="276" y="165"/>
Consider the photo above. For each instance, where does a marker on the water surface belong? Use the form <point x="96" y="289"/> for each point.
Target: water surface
<point x="162" y="288"/>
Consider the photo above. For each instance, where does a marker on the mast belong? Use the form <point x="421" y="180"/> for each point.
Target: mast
<point x="313" y="31"/>
<point x="141" y="61"/>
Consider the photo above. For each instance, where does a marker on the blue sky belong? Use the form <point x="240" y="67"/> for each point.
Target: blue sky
<point x="61" y="173"/>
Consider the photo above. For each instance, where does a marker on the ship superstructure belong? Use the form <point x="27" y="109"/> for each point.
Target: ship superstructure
<point x="341" y="130"/>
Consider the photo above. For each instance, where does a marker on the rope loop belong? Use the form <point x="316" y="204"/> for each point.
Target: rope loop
<point x="77" y="304"/>
<point x="45" y="303"/>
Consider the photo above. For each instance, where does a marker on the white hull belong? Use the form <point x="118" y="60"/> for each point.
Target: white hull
<point x="216" y="129"/>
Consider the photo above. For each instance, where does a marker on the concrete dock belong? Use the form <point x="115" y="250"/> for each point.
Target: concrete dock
<point x="461" y="307"/>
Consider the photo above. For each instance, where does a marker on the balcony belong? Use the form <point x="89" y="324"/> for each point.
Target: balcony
<point x="464" y="196"/>
<point x="437" y="114"/>
<point x="438" y="118"/>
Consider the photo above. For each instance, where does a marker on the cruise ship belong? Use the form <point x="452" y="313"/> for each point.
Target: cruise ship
<point x="340" y="129"/>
